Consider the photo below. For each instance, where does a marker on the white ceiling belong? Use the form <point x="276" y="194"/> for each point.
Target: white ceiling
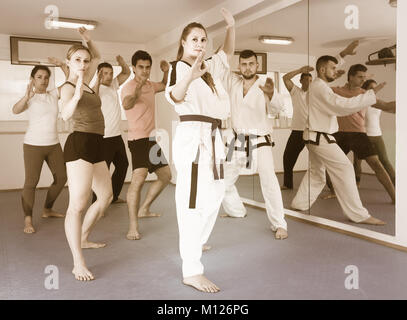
<point x="326" y="28"/>
<point x="153" y="21"/>
<point x="136" y="21"/>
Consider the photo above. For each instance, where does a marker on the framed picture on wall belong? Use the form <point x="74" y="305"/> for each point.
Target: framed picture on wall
<point x="35" y="51"/>
<point x="261" y="59"/>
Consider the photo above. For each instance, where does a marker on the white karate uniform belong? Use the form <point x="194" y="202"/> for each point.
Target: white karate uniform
<point x="249" y="117"/>
<point x="324" y="106"/>
<point x="196" y="224"/>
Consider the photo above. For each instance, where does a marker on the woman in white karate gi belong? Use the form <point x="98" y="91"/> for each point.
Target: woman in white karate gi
<point x="198" y="151"/>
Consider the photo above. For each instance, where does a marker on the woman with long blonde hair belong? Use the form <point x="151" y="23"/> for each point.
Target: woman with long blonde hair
<point x="86" y="168"/>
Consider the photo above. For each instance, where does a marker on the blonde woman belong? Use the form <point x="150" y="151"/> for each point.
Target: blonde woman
<point x="86" y="168"/>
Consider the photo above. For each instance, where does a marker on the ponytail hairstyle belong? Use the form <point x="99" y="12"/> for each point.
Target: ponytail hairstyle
<point x="207" y="77"/>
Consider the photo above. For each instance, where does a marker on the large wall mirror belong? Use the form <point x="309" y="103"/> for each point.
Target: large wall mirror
<point x="367" y="136"/>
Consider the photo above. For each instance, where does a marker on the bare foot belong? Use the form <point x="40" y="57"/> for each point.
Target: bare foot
<point x="82" y="273"/>
<point x="330" y="195"/>
<point x="206" y="247"/>
<point x="283" y="187"/>
<point x="133" y="234"/>
<point x="281" y="234"/>
<point x="144" y="213"/>
<point x="358" y="184"/>
<point x="92" y="245"/>
<point x="374" y="221"/>
<point x="119" y="200"/>
<point x="201" y="283"/>
<point x="28" y="227"/>
<point x="47" y="213"/>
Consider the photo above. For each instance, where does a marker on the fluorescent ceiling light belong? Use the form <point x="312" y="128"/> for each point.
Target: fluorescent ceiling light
<point x="72" y="23"/>
<point x="276" y="40"/>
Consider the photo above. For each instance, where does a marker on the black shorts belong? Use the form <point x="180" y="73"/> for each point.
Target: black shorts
<point x="84" y="145"/>
<point x="146" y="153"/>
<point x="358" y="142"/>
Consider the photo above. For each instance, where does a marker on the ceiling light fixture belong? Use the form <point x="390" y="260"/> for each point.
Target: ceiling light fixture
<point x="276" y="40"/>
<point x="72" y="23"/>
<point x="393" y="3"/>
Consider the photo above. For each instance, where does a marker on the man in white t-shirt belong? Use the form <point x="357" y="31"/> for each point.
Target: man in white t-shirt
<point x="113" y="145"/>
<point x="295" y="143"/>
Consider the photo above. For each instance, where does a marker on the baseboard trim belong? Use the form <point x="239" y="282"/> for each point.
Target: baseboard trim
<point x="332" y="228"/>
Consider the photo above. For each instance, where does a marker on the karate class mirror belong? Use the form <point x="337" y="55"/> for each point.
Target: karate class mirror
<point x="368" y="135"/>
<point x="274" y="61"/>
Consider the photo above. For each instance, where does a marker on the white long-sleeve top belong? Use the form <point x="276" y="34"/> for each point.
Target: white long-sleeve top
<point x="199" y="100"/>
<point x="249" y="115"/>
<point x="325" y="105"/>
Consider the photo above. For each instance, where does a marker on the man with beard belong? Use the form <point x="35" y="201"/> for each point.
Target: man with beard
<point x="324" y="107"/>
<point x="251" y="142"/>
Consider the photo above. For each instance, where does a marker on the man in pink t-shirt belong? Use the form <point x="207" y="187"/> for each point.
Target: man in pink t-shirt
<point x="352" y="136"/>
<point x="138" y="100"/>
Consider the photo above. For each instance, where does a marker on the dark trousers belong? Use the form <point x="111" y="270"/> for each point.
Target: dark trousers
<point x="294" y="146"/>
<point x="114" y="152"/>
<point x="34" y="157"/>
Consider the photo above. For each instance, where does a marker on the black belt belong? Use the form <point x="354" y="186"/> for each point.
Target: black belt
<point x="246" y="145"/>
<point x="216" y="124"/>
<point x="318" y="138"/>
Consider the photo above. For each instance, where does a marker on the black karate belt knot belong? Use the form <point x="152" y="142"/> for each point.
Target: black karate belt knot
<point x="247" y="146"/>
<point x="318" y="138"/>
<point x="216" y="124"/>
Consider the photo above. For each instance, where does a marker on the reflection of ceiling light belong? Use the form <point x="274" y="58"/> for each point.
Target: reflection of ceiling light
<point x="393" y="3"/>
<point x="72" y="23"/>
<point x="276" y="40"/>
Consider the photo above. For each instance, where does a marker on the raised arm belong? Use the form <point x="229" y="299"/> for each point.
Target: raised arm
<point x="130" y="100"/>
<point x="70" y="97"/>
<point x="125" y="73"/>
<point x="341" y="106"/>
<point x="288" y="76"/>
<point x="98" y="82"/>
<point x="22" y="104"/>
<point x="165" y="67"/>
<point x="389" y="107"/>
<point x="179" y="90"/>
<point x="229" y="43"/>
<point x="94" y="52"/>
<point x="350" y="49"/>
<point x="60" y="64"/>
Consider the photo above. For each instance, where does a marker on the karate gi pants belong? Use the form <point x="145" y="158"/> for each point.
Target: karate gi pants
<point x="195" y="225"/>
<point x="340" y="169"/>
<point x="262" y="163"/>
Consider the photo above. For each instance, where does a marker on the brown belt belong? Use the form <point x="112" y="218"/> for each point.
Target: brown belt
<point x="216" y="124"/>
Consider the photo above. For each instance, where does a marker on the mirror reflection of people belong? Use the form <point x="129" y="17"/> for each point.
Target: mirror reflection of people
<point x="295" y="143"/>
<point x="139" y="104"/>
<point x="351" y="135"/>
<point x="198" y="150"/>
<point x="83" y="153"/>
<point x="252" y="130"/>
<point x="41" y="144"/>
<point x="324" y="153"/>
<point x="374" y="133"/>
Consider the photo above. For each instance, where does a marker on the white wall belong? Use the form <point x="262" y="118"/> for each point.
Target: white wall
<point x="12" y="168"/>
